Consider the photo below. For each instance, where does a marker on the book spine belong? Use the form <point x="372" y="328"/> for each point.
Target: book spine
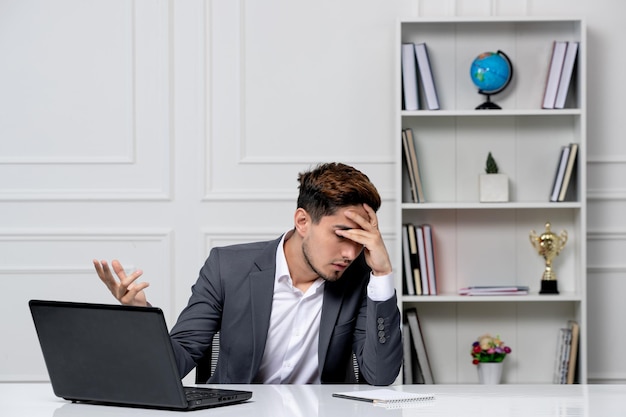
<point x="558" y="178"/>
<point x="426" y="76"/>
<point x="416" y="267"/>
<point x="566" y="74"/>
<point x="420" y="346"/>
<point x="430" y="259"/>
<point x="406" y="258"/>
<point x="409" y="77"/>
<point x="421" y="250"/>
<point x="415" y="165"/>
<point x="554" y="74"/>
<point x="571" y="162"/>
<point x="409" y="166"/>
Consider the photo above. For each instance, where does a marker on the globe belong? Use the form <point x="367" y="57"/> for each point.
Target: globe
<point x="491" y="72"/>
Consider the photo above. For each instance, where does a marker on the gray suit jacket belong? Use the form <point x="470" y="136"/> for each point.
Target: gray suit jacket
<point x="233" y="295"/>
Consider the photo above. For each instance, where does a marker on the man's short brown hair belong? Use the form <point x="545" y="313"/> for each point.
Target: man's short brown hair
<point x="331" y="186"/>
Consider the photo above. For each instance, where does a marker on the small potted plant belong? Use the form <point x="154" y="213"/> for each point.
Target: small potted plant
<point x="494" y="186"/>
<point x="488" y="353"/>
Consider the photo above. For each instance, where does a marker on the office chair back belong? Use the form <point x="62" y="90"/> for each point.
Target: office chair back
<point x="206" y="365"/>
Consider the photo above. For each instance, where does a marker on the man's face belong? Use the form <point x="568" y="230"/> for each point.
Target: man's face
<point x="326" y="253"/>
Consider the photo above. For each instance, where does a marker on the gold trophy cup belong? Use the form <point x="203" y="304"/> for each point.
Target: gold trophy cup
<point x="548" y="245"/>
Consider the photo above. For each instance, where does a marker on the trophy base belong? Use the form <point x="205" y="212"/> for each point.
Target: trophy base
<point x="549" y="287"/>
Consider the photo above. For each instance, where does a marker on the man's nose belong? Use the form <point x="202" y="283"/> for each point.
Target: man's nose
<point x="350" y="249"/>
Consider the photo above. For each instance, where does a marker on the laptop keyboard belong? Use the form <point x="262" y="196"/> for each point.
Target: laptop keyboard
<point x="200" y="394"/>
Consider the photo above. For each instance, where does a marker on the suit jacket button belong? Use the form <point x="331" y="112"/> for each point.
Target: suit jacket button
<point x="380" y="320"/>
<point x="382" y="339"/>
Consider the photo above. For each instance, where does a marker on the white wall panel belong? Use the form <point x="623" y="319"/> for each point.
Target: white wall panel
<point x="288" y="102"/>
<point x="606" y="178"/>
<point x="606" y="322"/>
<point x="56" y="265"/>
<point x="84" y="92"/>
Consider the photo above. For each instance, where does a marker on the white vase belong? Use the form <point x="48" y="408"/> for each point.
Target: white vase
<point x="490" y="373"/>
<point x="494" y="188"/>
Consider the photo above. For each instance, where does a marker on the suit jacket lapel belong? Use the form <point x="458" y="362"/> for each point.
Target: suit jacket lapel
<point x="333" y="298"/>
<point x="262" y="290"/>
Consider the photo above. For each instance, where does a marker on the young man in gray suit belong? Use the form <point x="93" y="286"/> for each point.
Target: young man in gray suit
<point x="295" y="309"/>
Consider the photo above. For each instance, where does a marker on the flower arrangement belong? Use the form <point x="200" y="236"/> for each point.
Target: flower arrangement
<point x="489" y="349"/>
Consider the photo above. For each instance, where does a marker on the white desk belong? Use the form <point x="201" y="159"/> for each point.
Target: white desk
<point x="38" y="400"/>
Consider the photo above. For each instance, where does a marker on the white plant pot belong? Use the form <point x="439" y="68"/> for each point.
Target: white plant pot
<point x="490" y="373"/>
<point x="494" y="188"/>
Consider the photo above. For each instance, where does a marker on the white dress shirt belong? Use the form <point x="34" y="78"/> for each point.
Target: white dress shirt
<point x="291" y="350"/>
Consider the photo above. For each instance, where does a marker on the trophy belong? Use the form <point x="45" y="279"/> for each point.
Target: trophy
<point x="548" y="245"/>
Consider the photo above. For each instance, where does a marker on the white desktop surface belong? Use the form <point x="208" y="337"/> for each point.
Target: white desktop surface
<point x="38" y="400"/>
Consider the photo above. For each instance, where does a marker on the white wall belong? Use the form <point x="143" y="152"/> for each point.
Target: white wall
<point x="153" y="130"/>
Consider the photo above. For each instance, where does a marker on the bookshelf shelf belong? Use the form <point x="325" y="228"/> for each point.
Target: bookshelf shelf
<point x="500" y="113"/>
<point x="492" y="206"/>
<point x="480" y="243"/>
<point x="564" y="297"/>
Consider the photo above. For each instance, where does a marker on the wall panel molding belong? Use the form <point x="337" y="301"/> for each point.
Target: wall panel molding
<point x="123" y="149"/>
<point x="55" y="264"/>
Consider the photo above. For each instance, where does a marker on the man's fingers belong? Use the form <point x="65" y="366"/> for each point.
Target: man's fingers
<point x="131" y="292"/>
<point x="119" y="270"/>
<point x="102" y="269"/>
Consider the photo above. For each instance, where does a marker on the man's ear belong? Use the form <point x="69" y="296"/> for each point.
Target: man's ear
<point x="302" y="221"/>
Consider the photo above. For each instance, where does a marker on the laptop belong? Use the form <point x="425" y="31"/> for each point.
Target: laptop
<point x="117" y="355"/>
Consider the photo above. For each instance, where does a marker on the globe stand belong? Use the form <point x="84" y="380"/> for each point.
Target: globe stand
<point x="487" y="105"/>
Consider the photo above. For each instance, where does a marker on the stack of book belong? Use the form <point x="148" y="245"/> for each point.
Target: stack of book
<point x="566" y="354"/>
<point x="560" y="73"/>
<point x="415" y="59"/>
<point x="563" y="184"/>
<point x="418" y="257"/>
<point x="417" y="369"/>
<point x="494" y="290"/>
<point x="412" y="166"/>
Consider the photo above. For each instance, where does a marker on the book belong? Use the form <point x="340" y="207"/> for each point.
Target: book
<point x="421" y="252"/>
<point x="415" y="165"/>
<point x="569" y="169"/>
<point x="569" y="62"/>
<point x="560" y="173"/>
<point x="384" y="396"/>
<point x="416" y="267"/>
<point x="567" y="346"/>
<point x="430" y="259"/>
<point x="562" y="352"/>
<point x="420" y="346"/>
<point x="409" y="77"/>
<point x="495" y="290"/>
<point x="426" y="76"/>
<point x="573" y="356"/>
<point x="409" y="167"/>
<point x="406" y="261"/>
<point x="554" y="74"/>
<point x="407" y="355"/>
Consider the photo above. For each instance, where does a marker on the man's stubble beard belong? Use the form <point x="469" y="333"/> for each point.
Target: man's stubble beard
<point x="307" y="259"/>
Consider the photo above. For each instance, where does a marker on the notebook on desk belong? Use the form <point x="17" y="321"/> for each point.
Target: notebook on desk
<point x="118" y="355"/>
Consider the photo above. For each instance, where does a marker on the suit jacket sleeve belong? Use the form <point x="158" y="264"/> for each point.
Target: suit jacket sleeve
<point x="380" y="352"/>
<point x="352" y="322"/>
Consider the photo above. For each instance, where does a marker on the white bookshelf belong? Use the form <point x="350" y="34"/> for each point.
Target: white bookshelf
<point x="488" y="243"/>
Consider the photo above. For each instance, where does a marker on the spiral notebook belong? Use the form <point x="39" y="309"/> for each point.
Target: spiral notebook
<point x="385" y="396"/>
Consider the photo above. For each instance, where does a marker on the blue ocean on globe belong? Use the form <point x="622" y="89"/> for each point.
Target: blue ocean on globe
<point x="490" y="72"/>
